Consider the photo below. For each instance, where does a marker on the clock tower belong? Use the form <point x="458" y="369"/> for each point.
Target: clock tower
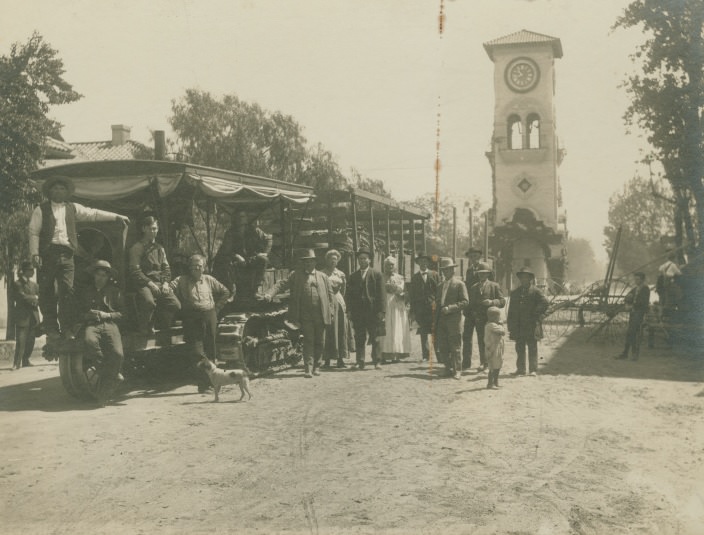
<point x="528" y="221"/>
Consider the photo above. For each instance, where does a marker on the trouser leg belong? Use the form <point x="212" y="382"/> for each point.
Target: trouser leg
<point x="318" y="343"/>
<point x="532" y="355"/>
<point x="467" y="335"/>
<point x="360" y="339"/>
<point x="146" y="304"/>
<point x="424" y="346"/>
<point x="455" y="351"/>
<point x="113" y="353"/>
<point x="308" y="330"/>
<point x="479" y="326"/>
<point x="20" y="345"/>
<point x="521" y="356"/>
<point x="200" y="329"/>
<point x="67" y="302"/>
<point x="47" y="294"/>
<point x="28" y="344"/>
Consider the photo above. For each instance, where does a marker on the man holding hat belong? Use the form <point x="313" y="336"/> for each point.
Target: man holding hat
<point x="26" y="297"/>
<point x="424" y="285"/>
<point x="366" y="300"/>
<point x="102" y="308"/>
<point x="311" y="306"/>
<point x="470" y="279"/>
<point x="526" y="308"/>
<point x="482" y="295"/>
<point x="451" y="299"/>
<point x="52" y="243"/>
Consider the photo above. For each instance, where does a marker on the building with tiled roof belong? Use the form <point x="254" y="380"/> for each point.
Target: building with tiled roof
<point x="119" y="147"/>
<point x="523" y="38"/>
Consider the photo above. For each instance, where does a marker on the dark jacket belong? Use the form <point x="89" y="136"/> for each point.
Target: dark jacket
<point x="296" y="283"/>
<point x="456" y="300"/>
<point x="423" y="297"/>
<point x="366" y="299"/>
<point x="525" y="311"/>
<point x="148" y="263"/>
<point x="478" y="293"/>
<point x="109" y="300"/>
<point x="26" y="294"/>
<point x="639" y="299"/>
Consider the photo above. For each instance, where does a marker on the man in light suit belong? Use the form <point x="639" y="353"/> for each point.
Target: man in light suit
<point x="366" y="301"/>
<point x="310" y="306"/>
<point x="424" y="285"/>
<point x="451" y="299"/>
<point x="26" y="297"/>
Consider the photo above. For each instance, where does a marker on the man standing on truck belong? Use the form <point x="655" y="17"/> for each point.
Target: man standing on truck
<point x="52" y="244"/>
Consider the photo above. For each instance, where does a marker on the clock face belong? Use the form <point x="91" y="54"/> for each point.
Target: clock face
<point x="522" y="74"/>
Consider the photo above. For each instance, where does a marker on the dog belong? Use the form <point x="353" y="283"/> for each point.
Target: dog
<point x="219" y="378"/>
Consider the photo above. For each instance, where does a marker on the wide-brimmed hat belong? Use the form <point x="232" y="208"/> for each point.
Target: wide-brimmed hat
<point x="307" y="254"/>
<point x="483" y="267"/>
<point x="525" y="271"/>
<point x="364" y="250"/>
<point x="421" y="254"/>
<point x="473" y="250"/>
<point x="446" y="262"/>
<point x="66" y="181"/>
<point x="101" y="264"/>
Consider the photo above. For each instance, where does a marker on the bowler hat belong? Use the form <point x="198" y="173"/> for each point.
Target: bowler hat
<point x="473" y="250"/>
<point x="58" y="179"/>
<point x="483" y="267"/>
<point x="307" y="254"/>
<point x="101" y="264"/>
<point x="25" y="266"/>
<point x="525" y="271"/>
<point x="446" y="262"/>
<point x="364" y="250"/>
<point x="422" y="254"/>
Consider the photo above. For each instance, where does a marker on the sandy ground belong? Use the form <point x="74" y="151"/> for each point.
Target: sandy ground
<point x="590" y="446"/>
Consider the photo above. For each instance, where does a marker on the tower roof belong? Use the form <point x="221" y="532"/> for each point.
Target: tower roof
<point x="523" y="37"/>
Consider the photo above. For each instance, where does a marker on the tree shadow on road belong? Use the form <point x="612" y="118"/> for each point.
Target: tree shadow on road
<point x="576" y="354"/>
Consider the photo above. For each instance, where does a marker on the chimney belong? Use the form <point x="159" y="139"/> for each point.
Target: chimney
<point x="120" y="134"/>
<point x="159" y="145"/>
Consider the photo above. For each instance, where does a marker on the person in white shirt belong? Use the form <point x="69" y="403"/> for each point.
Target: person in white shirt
<point x="669" y="291"/>
<point x="52" y="244"/>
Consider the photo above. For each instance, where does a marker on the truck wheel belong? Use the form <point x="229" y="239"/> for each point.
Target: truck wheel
<point x="80" y="374"/>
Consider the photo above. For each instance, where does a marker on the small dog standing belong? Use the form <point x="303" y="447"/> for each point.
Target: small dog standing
<point x="219" y="378"/>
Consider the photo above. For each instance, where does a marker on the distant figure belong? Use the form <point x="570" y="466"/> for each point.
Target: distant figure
<point x="494" y="345"/>
<point x="366" y="302"/>
<point x="470" y="279"/>
<point x="102" y="309"/>
<point x="150" y="275"/>
<point x="311" y="306"/>
<point x="52" y="244"/>
<point x="396" y="342"/>
<point x="243" y="256"/>
<point x="451" y="298"/>
<point x="483" y="294"/>
<point x="638" y="300"/>
<point x="338" y="331"/>
<point x="669" y="289"/>
<point x="526" y="309"/>
<point x="26" y="297"/>
<point x="423" y="289"/>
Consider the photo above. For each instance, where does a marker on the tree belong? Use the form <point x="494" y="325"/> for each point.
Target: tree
<point x="668" y="97"/>
<point x="583" y="266"/>
<point x="645" y="215"/>
<point x="321" y="170"/>
<point x="31" y="81"/>
<point x="234" y="134"/>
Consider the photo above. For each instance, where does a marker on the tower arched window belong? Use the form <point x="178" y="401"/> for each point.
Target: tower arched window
<point x="515" y="132"/>
<point x="533" y="131"/>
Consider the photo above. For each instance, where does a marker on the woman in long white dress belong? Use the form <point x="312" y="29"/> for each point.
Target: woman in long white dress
<point x="397" y="340"/>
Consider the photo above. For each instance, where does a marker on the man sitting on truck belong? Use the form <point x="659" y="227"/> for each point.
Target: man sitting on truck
<point x="243" y="256"/>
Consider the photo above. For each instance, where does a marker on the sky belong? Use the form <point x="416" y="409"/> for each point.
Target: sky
<point x="366" y="78"/>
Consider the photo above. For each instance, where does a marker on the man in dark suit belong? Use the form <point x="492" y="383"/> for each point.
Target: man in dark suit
<point x="26" y="297"/>
<point x="423" y="288"/>
<point x="366" y="301"/>
<point x="526" y="309"/>
<point x="470" y="279"/>
<point x="451" y="299"/>
<point x="482" y="295"/>
<point x="311" y="306"/>
<point x="638" y="300"/>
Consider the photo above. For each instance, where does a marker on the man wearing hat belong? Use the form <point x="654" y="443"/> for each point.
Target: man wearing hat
<point x="311" y="306"/>
<point x="424" y="285"/>
<point x="482" y="295"/>
<point x="470" y="279"/>
<point x="526" y="308"/>
<point x="366" y="300"/>
<point x="53" y="243"/>
<point x="638" y="301"/>
<point x="102" y="308"/>
<point x="26" y="298"/>
<point x="451" y="299"/>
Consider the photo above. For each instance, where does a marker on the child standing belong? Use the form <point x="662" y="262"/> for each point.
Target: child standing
<point x="494" y="344"/>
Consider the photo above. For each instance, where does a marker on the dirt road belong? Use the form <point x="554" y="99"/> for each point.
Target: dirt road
<point x="590" y="446"/>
